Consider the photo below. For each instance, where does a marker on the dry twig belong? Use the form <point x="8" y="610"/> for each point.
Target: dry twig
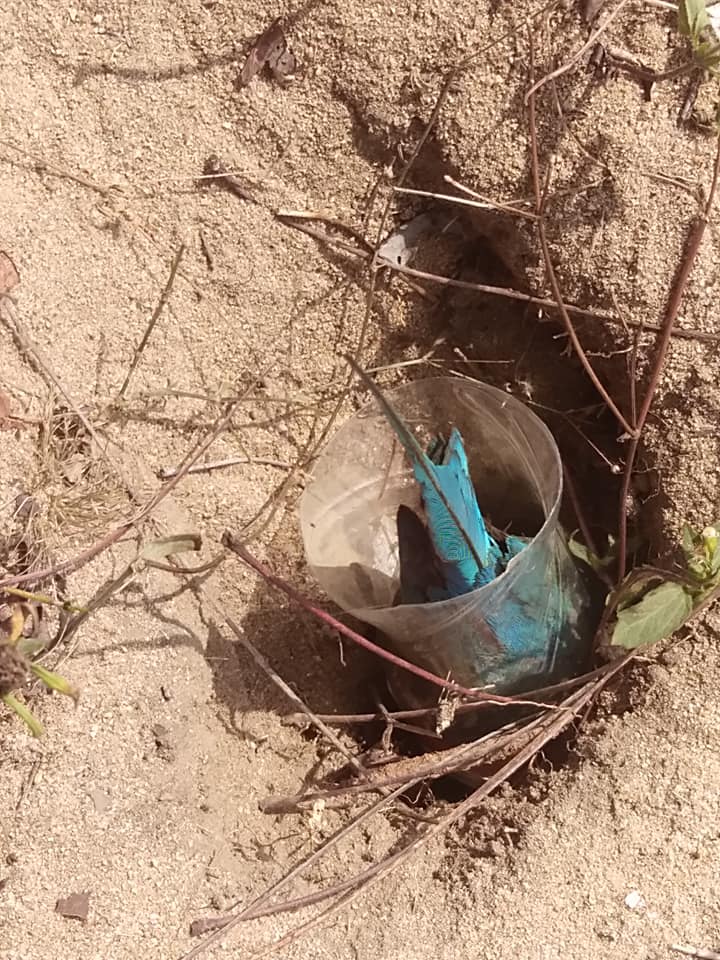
<point x="552" y="276"/>
<point x="154" y="318"/>
<point x="264" y="665"/>
<point x="233" y="544"/>
<point x="677" y="291"/>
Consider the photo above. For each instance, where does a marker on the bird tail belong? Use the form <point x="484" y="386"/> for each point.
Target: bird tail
<point x="420" y="460"/>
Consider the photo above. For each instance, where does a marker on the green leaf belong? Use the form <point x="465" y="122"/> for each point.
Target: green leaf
<point x="692" y="18"/>
<point x="30" y="646"/>
<point x="690" y="540"/>
<point x="167" y="546"/>
<point x="656" y="615"/>
<point x="43" y="599"/>
<point x="55" y="682"/>
<point x="707" y="53"/>
<point x="36" y="728"/>
<point x="579" y="550"/>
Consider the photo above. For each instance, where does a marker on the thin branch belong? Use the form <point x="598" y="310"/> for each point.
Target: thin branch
<point x="547" y="303"/>
<point x="233" y="544"/>
<point x="154" y="318"/>
<point x="677" y="291"/>
<point x="167" y="473"/>
<point x="43" y="165"/>
<point x="552" y="276"/>
<point x="465" y="202"/>
<point x="264" y="665"/>
<point x="429" y="766"/>
<point x="578" y="55"/>
<point x="542" y="693"/>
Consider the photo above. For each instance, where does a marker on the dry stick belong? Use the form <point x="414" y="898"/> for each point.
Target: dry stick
<point x="542" y="693"/>
<point x="508" y="205"/>
<point x="27" y="346"/>
<point x="424" y="767"/>
<point x="233" y="544"/>
<point x="552" y="277"/>
<point x="331" y="221"/>
<point x="361" y="252"/>
<point x="259" y="903"/>
<point x="154" y="318"/>
<point x="698" y="952"/>
<point x="576" y="57"/>
<point x="677" y="291"/>
<point x="380" y="870"/>
<point x="167" y="473"/>
<point x="262" y="662"/>
<point x="465" y="202"/>
<point x="78" y="561"/>
<point x="547" y="303"/>
<point x="326" y="238"/>
<point x="57" y="171"/>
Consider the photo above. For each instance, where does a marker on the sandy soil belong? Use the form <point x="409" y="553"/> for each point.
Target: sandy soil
<point x="146" y="795"/>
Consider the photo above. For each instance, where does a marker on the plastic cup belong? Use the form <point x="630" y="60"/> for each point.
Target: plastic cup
<point x="348" y="519"/>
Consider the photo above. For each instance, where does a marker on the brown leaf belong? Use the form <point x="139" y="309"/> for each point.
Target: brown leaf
<point x="268" y="47"/>
<point x="74" y="907"/>
<point x="9" y="277"/>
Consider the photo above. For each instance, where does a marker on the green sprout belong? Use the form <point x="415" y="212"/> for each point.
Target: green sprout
<point x="694" y="22"/>
<point x="651" y="604"/>
<point x="15" y="666"/>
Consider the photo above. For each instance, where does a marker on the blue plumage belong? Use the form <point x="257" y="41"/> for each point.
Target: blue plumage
<point x="454" y="518"/>
<point x="452" y="552"/>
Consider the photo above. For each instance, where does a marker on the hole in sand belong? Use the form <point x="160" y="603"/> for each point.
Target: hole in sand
<point x="511" y="346"/>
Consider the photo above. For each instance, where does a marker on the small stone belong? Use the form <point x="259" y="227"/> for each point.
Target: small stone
<point x="635" y="900"/>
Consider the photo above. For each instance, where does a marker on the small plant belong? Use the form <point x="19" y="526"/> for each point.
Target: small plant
<point x="15" y="665"/>
<point x="651" y="604"/>
<point x="16" y="650"/>
<point x="696" y="23"/>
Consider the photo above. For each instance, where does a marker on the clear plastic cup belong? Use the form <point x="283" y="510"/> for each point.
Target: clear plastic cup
<point x="348" y="519"/>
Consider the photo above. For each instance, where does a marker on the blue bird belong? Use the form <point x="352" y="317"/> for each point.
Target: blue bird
<point x="452" y="552"/>
<point x="467" y="555"/>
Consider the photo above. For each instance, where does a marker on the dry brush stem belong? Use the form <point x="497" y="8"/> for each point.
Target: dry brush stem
<point x="677" y="291"/>
<point x="239" y="548"/>
<point x="547" y="259"/>
<point x="552" y="726"/>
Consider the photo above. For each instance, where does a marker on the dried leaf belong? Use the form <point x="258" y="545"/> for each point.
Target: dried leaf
<point x="9" y="277"/>
<point x="656" y="615"/>
<point x="399" y="247"/>
<point x="74" y="907"/>
<point x="268" y="47"/>
<point x="167" y="546"/>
